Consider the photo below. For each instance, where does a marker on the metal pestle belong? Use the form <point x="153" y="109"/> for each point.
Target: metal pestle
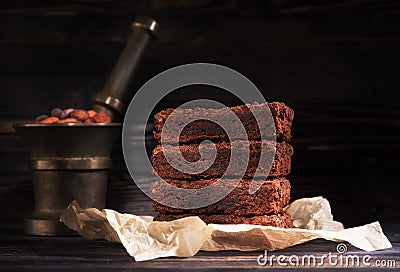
<point x="113" y="98"/>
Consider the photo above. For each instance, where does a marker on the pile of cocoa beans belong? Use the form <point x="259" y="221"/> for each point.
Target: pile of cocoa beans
<point x="60" y="116"/>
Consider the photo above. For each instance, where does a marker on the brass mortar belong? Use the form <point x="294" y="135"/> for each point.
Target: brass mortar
<point x="71" y="161"/>
<point x="68" y="161"/>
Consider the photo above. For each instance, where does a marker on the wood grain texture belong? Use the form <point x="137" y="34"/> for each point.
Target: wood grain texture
<point x="22" y="252"/>
<point x="334" y="62"/>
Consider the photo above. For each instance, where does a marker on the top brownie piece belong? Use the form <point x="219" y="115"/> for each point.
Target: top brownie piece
<point x="201" y="130"/>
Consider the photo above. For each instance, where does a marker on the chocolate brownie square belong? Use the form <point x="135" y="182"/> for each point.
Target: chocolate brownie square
<point x="202" y="129"/>
<point x="280" y="164"/>
<point x="281" y="220"/>
<point x="272" y="196"/>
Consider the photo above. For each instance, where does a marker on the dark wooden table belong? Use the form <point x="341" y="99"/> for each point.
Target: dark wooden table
<point x="22" y="252"/>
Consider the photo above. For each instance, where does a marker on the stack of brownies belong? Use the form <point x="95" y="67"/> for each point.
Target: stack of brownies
<point x="265" y="206"/>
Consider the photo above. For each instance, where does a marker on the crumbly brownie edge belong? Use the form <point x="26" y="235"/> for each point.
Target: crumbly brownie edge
<point x="270" y="198"/>
<point x="281" y="165"/>
<point x="282" y="116"/>
<point x="282" y="220"/>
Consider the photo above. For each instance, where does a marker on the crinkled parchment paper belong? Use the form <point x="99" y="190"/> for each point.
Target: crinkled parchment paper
<point x="144" y="239"/>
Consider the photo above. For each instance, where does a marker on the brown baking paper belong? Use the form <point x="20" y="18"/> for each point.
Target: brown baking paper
<point x="144" y="239"/>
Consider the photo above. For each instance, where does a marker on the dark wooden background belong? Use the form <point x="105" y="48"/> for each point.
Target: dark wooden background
<point x="336" y="63"/>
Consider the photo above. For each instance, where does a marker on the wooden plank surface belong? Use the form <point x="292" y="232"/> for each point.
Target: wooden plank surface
<point x="21" y="252"/>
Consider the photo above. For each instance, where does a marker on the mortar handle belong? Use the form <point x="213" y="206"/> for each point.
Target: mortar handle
<point x="118" y="88"/>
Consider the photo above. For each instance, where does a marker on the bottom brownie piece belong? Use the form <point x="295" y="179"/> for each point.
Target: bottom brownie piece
<point x="282" y="220"/>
